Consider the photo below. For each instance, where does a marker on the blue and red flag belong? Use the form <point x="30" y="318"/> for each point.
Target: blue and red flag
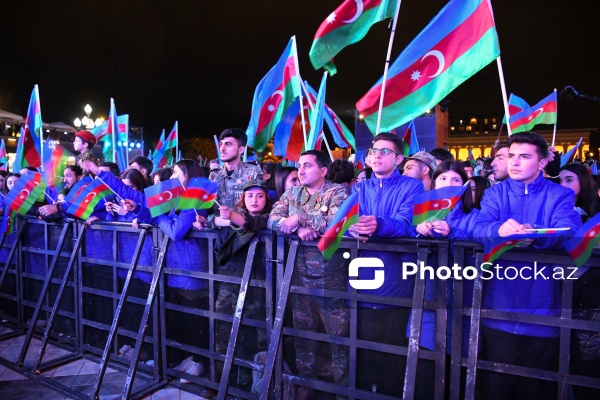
<point x="77" y="188"/>
<point x="289" y="136"/>
<point x="316" y="118"/>
<point x="200" y="193"/>
<point x="25" y="192"/>
<point x="544" y="112"/>
<point x="515" y="106"/>
<point x="3" y="157"/>
<point x="32" y="131"/>
<point x="164" y="196"/>
<point x="411" y="143"/>
<point x="346" y="216"/>
<point x="274" y="93"/>
<point x="8" y="221"/>
<point x="434" y="205"/>
<point x="568" y="156"/>
<point x="85" y="200"/>
<point x="159" y="158"/>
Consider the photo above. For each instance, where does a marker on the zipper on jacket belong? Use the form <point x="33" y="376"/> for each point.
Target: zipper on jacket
<point x="526" y="188"/>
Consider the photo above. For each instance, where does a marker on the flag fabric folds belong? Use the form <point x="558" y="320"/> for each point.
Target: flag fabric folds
<point x="346" y="216"/>
<point x="3" y="156"/>
<point x="200" y="193"/>
<point x="31" y="143"/>
<point x="348" y="24"/>
<point x="159" y="158"/>
<point x="515" y="105"/>
<point x="435" y="204"/>
<point x="543" y="112"/>
<point x="25" y="192"/>
<point x="411" y="143"/>
<point x="568" y="156"/>
<point x="580" y="245"/>
<point x="289" y="137"/>
<point x="86" y="199"/>
<point x="163" y="196"/>
<point x="274" y="93"/>
<point x="455" y="45"/>
<point x="77" y="188"/>
<point x="8" y="221"/>
<point x="316" y="117"/>
<point x="55" y="164"/>
<point x="495" y="248"/>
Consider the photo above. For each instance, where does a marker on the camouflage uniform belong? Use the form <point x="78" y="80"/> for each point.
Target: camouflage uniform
<point x="312" y="271"/>
<point x="230" y="187"/>
<point x="86" y="156"/>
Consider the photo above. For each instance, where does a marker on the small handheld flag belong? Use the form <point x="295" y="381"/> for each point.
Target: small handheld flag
<point x="25" y="192"/>
<point x="346" y="216"/>
<point x="435" y="204"/>
<point x="580" y="246"/>
<point x="495" y="248"/>
<point x="163" y="196"/>
<point x="86" y="200"/>
<point x="200" y="193"/>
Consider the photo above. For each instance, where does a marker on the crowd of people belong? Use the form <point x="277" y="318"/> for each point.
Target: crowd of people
<point x="519" y="188"/>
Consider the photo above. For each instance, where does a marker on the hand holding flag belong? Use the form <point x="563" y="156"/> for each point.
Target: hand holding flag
<point x="346" y="216"/>
<point x="25" y="192"/>
<point x="163" y="196"/>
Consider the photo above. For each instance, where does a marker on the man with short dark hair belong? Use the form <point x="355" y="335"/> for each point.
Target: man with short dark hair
<point x="307" y="210"/>
<point x="499" y="164"/>
<point x="341" y="171"/>
<point x="144" y="165"/>
<point x="523" y="201"/>
<point x="441" y="154"/>
<point x="234" y="173"/>
<point x="386" y="204"/>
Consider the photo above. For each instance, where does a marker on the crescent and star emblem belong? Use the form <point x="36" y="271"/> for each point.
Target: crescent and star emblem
<point x="279" y="92"/>
<point x="26" y="193"/>
<point x="449" y="204"/>
<point x="359" y="11"/>
<point x="164" y="194"/>
<point x="441" y="60"/>
<point x="536" y="113"/>
<point x="90" y="199"/>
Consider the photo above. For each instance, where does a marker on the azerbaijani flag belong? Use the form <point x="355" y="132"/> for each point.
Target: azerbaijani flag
<point x="8" y="221"/>
<point x="515" y="105"/>
<point x="411" y="144"/>
<point x="25" y="192"/>
<point x="455" y="45"/>
<point x="274" y="93"/>
<point x="435" y="204"/>
<point x="171" y="141"/>
<point x="55" y="165"/>
<point x="3" y="157"/>
<point x="77" y="188"/>
<point x="30" y="155"/>
<point x="543" y="112"/>
<point x="200" y="193"/>
<point x="316" y="117"/>
<point x="348" y="24"/>
<point x="346" y="216"/>
<point x="288" y="141"/>
<point x="495" y="248"/>
<point x="159" y="158"/>
<point x="84" y="202"/>
<point x="471" y="158"/>
<point x="580" y="246"/>
<point x="340" y="132"/>
<point x="568" y="156"/>
<point x="163" y="196"/>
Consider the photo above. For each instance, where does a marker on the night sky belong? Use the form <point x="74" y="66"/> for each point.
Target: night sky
<point x="199" y="61"/>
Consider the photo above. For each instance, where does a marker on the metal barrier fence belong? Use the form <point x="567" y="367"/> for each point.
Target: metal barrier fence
<point x="106" y="287"/>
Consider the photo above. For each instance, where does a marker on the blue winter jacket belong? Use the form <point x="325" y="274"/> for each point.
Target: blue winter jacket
<point x="391" y="201"/>
<point x="543" y="204"/>
<point x="184" y="252"/>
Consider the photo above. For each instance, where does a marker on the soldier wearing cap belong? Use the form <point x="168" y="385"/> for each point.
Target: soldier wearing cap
<point x="421" y="166"/>
<point x="84" y="142"/>
<point x="307" y="210"/>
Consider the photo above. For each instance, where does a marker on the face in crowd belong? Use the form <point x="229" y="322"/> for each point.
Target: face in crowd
<point x="230" y="149"/>
<point x="79" y="144"/>
<point x="570" y="180"/>
<point x="309" y="173"/>
<point x="291" y="180"/>
<point x="179" y="174"/>
<point x="416" y="169"/>
<point x="255" y="199"/>
<point x="10" y="182"/>
<point x="524" y="163"/>
<point x="70" y="178"/>
<point x="499" y="164"/>
<point x="384" y="158"/>
<point x="448" y="178"/>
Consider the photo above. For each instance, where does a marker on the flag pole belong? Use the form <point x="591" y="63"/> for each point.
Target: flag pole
<point x="387" y="65"/>
<point x="297" y="66"/>
<point x="555" y="121"/>
<point x="126" y="139"/>
<point x="312" y="107"/>
<point x="504" y="98"/>
<point x="177" y="140"/>
<point x="37" y="95"/>
<point x="111" y="189"/>
<point x="114" y="149"/>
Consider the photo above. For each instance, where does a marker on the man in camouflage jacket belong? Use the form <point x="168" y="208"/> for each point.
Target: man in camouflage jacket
<point x="307" y="210"/>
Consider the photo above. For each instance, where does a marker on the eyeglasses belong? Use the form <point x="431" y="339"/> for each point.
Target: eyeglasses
<point x="384" y="152"/>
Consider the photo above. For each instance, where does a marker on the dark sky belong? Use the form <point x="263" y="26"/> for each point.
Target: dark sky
<point x="199" y="61"/>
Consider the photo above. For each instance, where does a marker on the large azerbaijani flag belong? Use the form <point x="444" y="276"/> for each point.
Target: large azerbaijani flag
<point x="434" y="205"/>
<point x="32" y="144"/>
<point x="316" y="117"/>
<point x="289" y="136"/>
<point x="25" y="192"/>
<point x="515" y="106"/>
<point x="346" y="216"/>
<point x="84" y="202"/>
<point x="200" y="193"/>
<point x="580" y="246"/>
<point x="456" y="44"/>
<point x="543" y="112"/>
<point x="274" y="93"/>
<point x="340" y="132"/>
<point x="163" y="196"/>
<point x="348" y="24"/>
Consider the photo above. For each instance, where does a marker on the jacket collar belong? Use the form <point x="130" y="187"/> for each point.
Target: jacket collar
<point x="533" y="187"/>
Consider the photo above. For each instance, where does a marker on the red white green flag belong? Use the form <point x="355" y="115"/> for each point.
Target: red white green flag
<point x="455" y="45"/>
<point x="580" y="246"/>
<point x="273" y="95"/>
<point x="348" y="24"/>
<point x="346" y="216"/>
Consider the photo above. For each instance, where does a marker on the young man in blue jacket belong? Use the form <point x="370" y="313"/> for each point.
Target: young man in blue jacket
<point x="524" y="200"/>
<point x="385" y="211"/>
